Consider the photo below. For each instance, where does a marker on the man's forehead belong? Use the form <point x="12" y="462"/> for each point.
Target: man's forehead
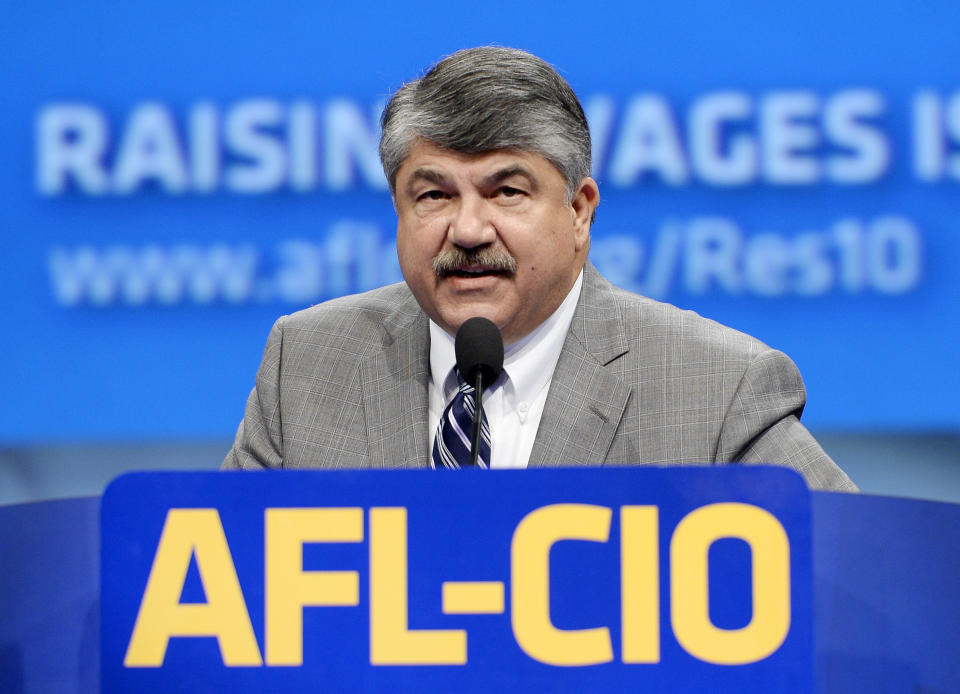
<point x="429" y="162"/>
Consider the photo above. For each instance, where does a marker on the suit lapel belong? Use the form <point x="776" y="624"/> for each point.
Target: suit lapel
<point x="587" y="397"/>
<point x="394" y="381"/>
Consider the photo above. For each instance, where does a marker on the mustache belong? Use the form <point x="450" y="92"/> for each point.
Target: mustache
<point x="452" y="259"/>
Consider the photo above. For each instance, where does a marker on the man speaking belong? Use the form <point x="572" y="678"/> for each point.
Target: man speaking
<point x="488" y="161"/>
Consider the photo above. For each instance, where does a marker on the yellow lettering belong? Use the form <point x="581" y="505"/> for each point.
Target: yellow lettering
<point x="392" y="642"/>
<point x="689" y="590"/>
<point x="289" y="588"/>
<point x="192" y="533"/>
<point x="472" y="597"/>
<point x="530" y="584"/>
<point x="640" y="583"/>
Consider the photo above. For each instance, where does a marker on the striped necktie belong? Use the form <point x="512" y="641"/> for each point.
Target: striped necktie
<point x="451" y="447"/>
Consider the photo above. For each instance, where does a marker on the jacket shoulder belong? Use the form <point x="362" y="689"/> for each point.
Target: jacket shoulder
<point x="659" y="326"/>
<point x="364" y="321"/>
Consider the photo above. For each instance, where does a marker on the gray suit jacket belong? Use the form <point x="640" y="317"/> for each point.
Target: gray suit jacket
<point x="344" y="385"/>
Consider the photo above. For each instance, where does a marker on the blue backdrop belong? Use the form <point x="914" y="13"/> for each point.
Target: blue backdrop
<point x="176" y="176"/>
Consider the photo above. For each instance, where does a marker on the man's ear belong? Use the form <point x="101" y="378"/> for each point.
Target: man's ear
<point x="584" y="204"/>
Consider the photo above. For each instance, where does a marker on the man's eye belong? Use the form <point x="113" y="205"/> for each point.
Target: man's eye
<point x="432" y="195"/>
<point x="509" y="192"/>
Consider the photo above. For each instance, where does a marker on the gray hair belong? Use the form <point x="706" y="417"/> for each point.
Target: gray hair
<point x="489" y="98"/>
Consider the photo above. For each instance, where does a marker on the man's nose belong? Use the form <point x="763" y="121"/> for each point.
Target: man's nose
<point x="471" y="225"/>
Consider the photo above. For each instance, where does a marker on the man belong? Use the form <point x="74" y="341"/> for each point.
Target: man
<point x="488" y="160"/>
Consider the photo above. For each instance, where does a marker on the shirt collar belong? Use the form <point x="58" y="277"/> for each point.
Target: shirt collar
<point x="528" y="364"/>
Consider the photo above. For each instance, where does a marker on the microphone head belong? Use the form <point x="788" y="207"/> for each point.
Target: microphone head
<point x="479" y="347"/>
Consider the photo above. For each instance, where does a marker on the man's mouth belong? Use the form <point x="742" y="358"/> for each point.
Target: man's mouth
<point x="473" y="271"/>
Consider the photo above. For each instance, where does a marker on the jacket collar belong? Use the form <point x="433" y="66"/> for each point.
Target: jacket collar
<point x="394" y="381"/>
<point x="587" y="397"/>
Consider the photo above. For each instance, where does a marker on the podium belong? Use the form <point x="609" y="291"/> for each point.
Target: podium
<point x="655" y="579"/>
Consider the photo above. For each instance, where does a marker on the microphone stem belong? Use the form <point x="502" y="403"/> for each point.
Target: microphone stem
<point x="477" y="418"/>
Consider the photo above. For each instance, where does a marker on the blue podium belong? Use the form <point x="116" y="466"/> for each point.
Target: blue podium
<point x="601" y="580"/>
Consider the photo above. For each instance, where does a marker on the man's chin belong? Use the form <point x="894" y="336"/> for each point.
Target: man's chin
<point x="452" y="320"/>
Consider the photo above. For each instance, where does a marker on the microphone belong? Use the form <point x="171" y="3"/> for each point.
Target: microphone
<point x="479" y="350"/>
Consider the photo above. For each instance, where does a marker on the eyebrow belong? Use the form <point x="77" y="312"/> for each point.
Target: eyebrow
<point x="509" y="172"/>
<point x="422" y="174"/>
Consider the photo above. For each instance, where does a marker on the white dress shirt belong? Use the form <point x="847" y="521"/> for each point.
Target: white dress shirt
<point x="514" y="402"/>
